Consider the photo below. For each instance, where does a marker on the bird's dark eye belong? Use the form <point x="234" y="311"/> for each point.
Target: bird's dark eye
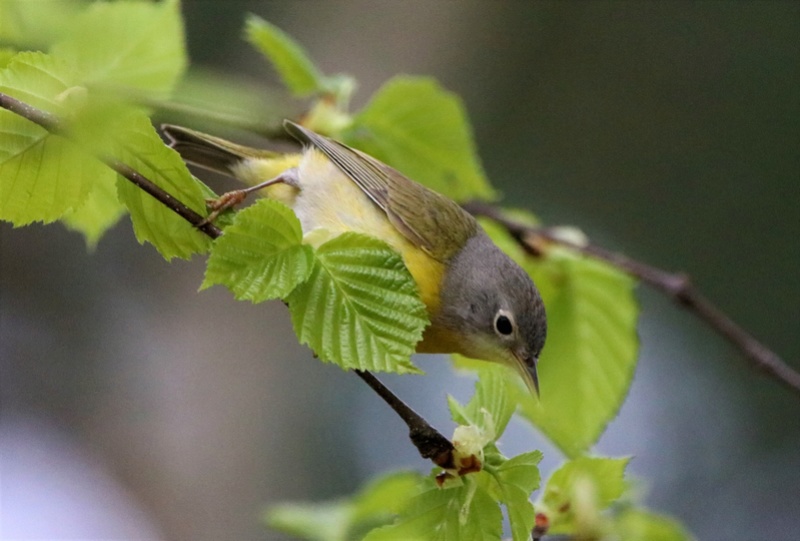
<point x="503" y="325"/>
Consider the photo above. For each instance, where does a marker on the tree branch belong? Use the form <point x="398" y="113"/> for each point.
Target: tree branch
<point x="677" y="286"/>
<point x="428" y="441"/>
<point x="54" y="125"/>
<point x="45" y="119"/>
<point x="164" y="197"/>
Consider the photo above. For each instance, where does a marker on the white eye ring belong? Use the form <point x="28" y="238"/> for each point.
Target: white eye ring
<point x="504" y="323"/>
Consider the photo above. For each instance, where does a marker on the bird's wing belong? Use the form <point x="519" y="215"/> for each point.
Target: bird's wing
<point x="427" y="219"/>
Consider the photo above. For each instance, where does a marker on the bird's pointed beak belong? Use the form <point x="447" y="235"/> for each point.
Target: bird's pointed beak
<point x="527" y="368"/>
<point x="534" y="375"/>
<point x="530" y="364"/>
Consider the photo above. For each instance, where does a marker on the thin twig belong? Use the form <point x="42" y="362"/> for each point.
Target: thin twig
<point x="175" y="205"/>
<point x="54" y="125"/>
<point x="45" y="119"/>
<point x="428" y="441"/>
<point x="677" y="286"/>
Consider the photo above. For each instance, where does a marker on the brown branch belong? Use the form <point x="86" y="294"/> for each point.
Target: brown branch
<point x="54" y="125"/>
<point x="677" y="286"/>
<point x="46" y="120"/>
<point x="428" y="441"/>
<point x="164" y="197"/>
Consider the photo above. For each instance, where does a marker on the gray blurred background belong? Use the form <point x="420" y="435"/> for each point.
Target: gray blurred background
<point x="135" y="408"/>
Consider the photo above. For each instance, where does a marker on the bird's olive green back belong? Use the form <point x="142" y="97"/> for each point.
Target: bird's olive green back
<point x="427" y="219"/>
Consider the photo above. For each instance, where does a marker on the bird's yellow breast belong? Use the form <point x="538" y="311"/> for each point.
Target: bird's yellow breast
<point x="325" y="198"/>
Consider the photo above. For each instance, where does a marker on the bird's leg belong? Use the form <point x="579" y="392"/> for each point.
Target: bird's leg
<point x="236" y="197"/>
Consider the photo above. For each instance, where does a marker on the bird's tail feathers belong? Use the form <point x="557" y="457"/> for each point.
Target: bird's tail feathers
<point x="209" y="152"/>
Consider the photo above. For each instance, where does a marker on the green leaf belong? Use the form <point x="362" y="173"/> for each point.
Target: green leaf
<point x="580" y="489"/>
<point x="35" y="25"/>
<point x="99" y="212"/>
<point x="643" y="525"/>
<point x="588" y="361"/>
<point x="136" y="46"/>
<point x="42" y="176"/>
<point x="261" y="255"/>
<point x="464" y="512"/>
<point x="518" y="477"/>
<point x="493" y="397"/>
<point x="140" y="147"/>
<point x="387" y="494"/>
<point x="359" y="307"/>
<point x="6" y="54"/>
<point x="347" y="519"/>
<point x="328" y="521"/>
<point x="521" y="471"/>
<point x="521" y="514"/>
<point x="291" y="61"/>
<point x="422" y="130"/>
<point x="39" y="80"/>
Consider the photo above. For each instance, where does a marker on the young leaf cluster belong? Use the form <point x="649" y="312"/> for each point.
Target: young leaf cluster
<point x="579" y="498"/>
<point x="467" y="507"/>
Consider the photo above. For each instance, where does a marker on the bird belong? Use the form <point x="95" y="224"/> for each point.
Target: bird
<point x="481" y="304"/>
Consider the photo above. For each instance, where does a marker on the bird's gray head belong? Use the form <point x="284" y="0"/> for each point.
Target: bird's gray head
<point x="494" y="308"/>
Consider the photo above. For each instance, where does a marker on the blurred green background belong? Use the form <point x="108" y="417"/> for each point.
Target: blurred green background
<point x="135" y="408"/>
